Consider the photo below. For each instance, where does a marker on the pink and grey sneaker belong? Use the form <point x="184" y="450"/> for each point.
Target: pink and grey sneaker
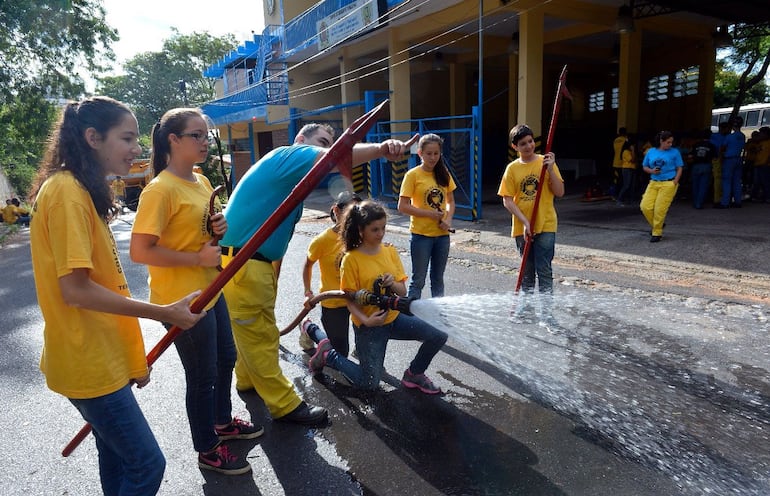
<point x="419" y="381"/>
<point x="318" y="360"/>
<point x="305" y="341"/>
<point x="221" y="460"/>
<point x="239" y="429"/>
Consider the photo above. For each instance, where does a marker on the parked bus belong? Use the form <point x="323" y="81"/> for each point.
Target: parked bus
<point x="755" y="115"/>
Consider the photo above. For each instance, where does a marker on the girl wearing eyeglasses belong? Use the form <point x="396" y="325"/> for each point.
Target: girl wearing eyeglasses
<point x="173" y="235"/>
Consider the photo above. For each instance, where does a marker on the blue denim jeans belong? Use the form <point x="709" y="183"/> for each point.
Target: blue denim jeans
<point x="372" y="342"/>
<point x="428" y="250"/>
<point x="538" y="262"/>
<point x="732" y="188"/>
<point x="207" y="352"/>
<point x="701" y="178"/>
<point x="130" y="460"/>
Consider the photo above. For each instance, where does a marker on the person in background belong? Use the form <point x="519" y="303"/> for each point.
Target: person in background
<point x="119" y="189"/>
<point x="518" y="189"/>
<point x="251" y="293"/>
<point x="627" y="168"/>
<point x="617" y="162"/>
<point x="93" y="351"/>
<point x="427" y="196"/>
<point x="702" y="155"/>
<point x="664" y="164"/>
<point x="368" y="261"/>
<point x="174" y="235"/>
<point x="718" y="140"/>
<point x="328" y="249"/>
<point x="732" y="167"/>
<point x="761" y="188"/>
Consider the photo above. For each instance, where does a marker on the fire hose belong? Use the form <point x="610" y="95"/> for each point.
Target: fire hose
<point x="377" y="297"/>
<point x="340" y="156"/>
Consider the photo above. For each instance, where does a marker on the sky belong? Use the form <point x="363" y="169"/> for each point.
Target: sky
<point x="144" y="24"/>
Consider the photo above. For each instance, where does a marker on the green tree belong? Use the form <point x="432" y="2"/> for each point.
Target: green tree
<point x="43" y="44"/>
<point x="726" y="88"/>
<point x="750" y="58"/>
<point x="151" y="80"/>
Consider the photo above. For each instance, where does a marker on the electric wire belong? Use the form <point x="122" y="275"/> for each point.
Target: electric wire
<point x="332" y="82"/>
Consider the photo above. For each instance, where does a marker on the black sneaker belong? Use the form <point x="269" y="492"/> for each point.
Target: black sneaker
<point x="655" y="239"/>
<point x="239" y="429"/>
<point x="221" y="460"/>
<point x="305" y="414"/>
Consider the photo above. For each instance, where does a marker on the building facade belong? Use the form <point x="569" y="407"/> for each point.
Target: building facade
<point x="477" y="66"/>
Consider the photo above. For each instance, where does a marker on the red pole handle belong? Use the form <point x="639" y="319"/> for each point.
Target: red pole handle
<point x="339" y="155"/>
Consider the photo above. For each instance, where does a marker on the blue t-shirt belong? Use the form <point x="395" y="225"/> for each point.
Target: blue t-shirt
<point x="734" y="144"/>
<point x="259" y="193"/>
<point x="667" y="160"/>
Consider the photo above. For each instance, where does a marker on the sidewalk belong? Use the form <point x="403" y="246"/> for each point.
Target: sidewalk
<point x="733" y="240"/>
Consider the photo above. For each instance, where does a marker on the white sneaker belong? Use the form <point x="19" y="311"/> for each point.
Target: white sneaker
<point x="307" y="344"/>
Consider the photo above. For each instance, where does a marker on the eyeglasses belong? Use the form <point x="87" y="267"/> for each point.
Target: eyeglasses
<point x="199" y="137"/>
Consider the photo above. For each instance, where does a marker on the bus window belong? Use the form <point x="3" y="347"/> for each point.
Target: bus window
<point x="723" y="117"/>
<point x="765" y="121"/>
<point x="714" y="120"/>
<point x="742" y="115"/>
<point x="752" y="118"/>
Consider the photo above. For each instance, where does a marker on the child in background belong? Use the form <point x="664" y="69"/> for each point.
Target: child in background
<point x="327" y="249"/>
<point x="172" y="234"/>
<point x="368" y="260"/>
<point x="427" y="196"/>
<point x="519" y="188"/>
<point x="93" y="350"/>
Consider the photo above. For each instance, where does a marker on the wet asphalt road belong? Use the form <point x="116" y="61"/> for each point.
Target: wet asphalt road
<point x="606" y="400"/>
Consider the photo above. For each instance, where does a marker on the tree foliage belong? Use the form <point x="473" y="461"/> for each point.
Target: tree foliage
<point x="151" y="80"/>
<point x="750" y="58"/>
<point x="726" y="88"/>
<point x="43" y="44"/>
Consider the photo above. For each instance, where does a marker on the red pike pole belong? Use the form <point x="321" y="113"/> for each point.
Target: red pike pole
<point x="561" y="90"/>
<point x="340" y="155"/>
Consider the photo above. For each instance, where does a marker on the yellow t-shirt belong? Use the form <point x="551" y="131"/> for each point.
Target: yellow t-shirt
<point x="119" y="187"/>
<point x="86" y="354"/>
<point x="628" y="160"/>
<point x="617" y="145"/>
<point x="327" y="249"/>
<point x="762" y="158"/>
<point x="520" y="182"/>
<point x="359" y="271"/>
<point x="10" y="214"/>
<point x="420" y="186"/>
<point x="177" y="212"/>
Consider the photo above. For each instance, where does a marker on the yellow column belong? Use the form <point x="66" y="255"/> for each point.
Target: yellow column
<point x="513" y="83"/>
<point x="349" y="88"/>
<point x="400" y="89"/>
<point x="706" y="80"/>
<point x="629" y="81"/>
<point x="530" y="89"/>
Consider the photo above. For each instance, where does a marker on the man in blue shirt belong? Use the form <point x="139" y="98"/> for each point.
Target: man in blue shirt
<point x="251" y="293"/>
<point x="732" y="167"/>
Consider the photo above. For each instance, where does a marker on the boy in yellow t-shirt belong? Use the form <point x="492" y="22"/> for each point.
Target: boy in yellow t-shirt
<point x="519" y="190"/>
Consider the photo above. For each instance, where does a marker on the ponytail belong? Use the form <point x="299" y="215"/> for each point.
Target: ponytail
<point x="356" y="217"/>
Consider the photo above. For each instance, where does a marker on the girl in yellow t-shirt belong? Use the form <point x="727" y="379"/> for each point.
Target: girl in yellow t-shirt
<point x="93" y="349"/>
<point x="367" y="261"/>
<point x="427" y="196"/>
<point x="327" y="249"/>
<point x="173" y="234"/>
